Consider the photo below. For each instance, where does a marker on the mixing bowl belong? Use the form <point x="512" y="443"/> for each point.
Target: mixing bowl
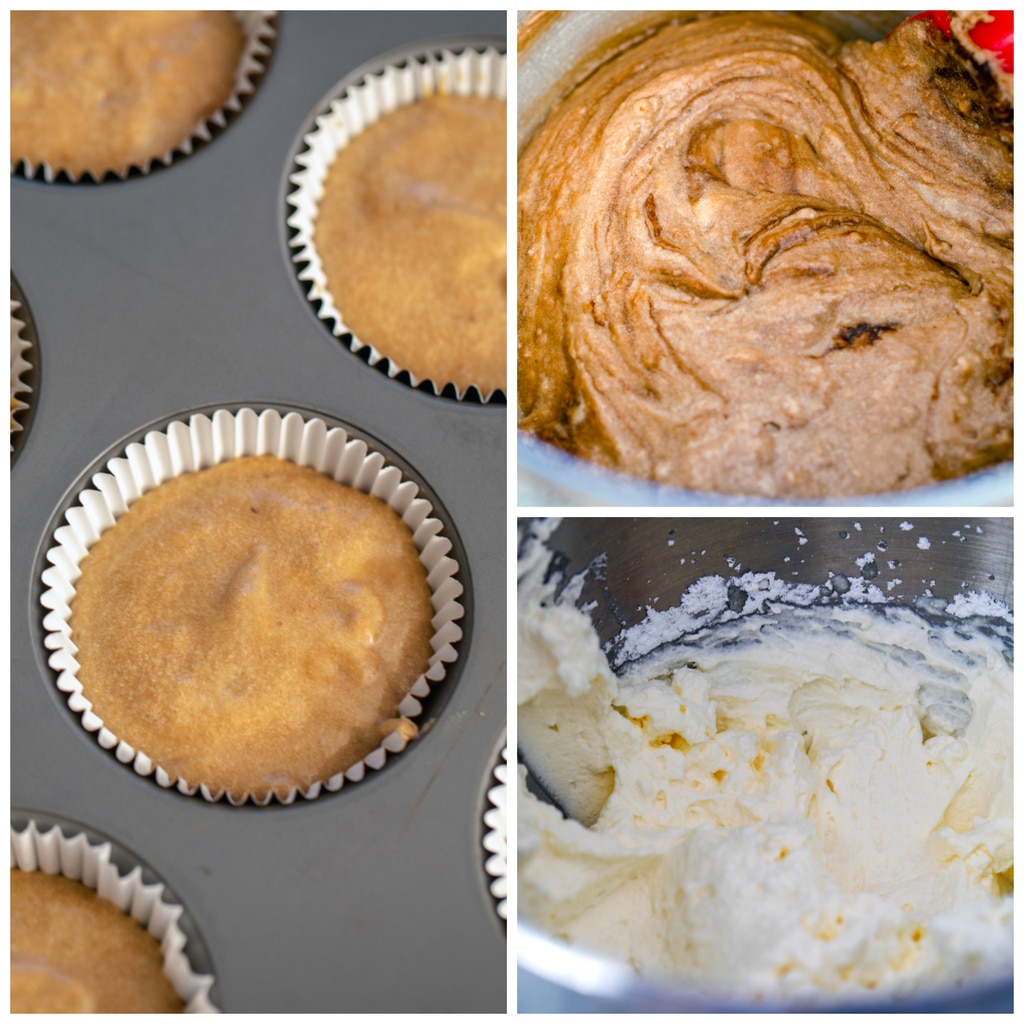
<point x="644" y="562"/>
<point x="556" y="49"/>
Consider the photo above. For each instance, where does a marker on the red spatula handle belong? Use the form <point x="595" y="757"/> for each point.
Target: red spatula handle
<point x="996" y="35"/>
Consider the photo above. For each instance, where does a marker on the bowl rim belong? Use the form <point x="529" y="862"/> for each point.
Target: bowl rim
<point x="990" y="486"/>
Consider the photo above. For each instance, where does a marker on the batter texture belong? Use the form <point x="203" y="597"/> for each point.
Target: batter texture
<point x="74" y="952"/>
<point x="253" y="626"/>
<point x="98" y="91"/>
<point x="795" y="802"/>
<point x="411" y="232"/>
<point x="755" y="260"/>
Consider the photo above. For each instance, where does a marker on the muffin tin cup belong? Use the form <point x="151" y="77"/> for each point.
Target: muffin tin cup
<point x="74" y="855"/>
<point x="452" y="66"/>
<point x="207" y="440"/>
<point x="21" y="346"/>
<point x="259" y="32"/>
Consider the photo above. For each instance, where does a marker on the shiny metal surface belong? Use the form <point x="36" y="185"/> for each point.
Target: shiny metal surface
<point x="555" y="979"/>
<point x="650" y="562"/>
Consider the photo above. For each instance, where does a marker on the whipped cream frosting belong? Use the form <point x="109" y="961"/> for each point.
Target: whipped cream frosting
<point x="798" y="801"/>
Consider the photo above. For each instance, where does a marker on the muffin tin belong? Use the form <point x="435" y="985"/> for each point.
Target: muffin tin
<point x="173" y="292"/>
<point x="24" y="367"/>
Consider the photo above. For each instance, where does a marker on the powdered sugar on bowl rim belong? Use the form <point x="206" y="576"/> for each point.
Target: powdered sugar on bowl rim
<point x="206" y="440"/>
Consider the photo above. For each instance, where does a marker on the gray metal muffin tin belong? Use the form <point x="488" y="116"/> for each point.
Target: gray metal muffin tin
<point x="174" y="291"/>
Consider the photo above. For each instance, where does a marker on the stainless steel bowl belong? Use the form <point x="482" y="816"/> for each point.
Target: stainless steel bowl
<point x="652" y="560"/>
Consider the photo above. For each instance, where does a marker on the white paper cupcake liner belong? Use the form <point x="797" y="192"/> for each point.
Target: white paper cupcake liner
<point x="74" y="857"/>
<point x="496" y="836"/>
<point x="20" y="366"/>
<point x="259" y="31"/>
<point x="360" y="101"/>
<point x="206" y="441"/>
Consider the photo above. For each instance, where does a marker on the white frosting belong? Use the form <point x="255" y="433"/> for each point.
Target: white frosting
<point x="800" y="800"/>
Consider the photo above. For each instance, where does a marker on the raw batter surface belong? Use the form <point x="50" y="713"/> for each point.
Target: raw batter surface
<point x="754" y="260"/>
<point x="74" y="952"/>
<point x="253" y="626"/>
<point x="412" y="236"/>
<point x="102" y="91"/>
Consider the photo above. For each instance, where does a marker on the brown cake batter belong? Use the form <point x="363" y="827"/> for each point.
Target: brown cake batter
<point x="753" y="260"/>
<point x="411" y="233"/>
<point x="253" y="626"/>
<point x="98" y="91"/>
<point x="74" y="952"/>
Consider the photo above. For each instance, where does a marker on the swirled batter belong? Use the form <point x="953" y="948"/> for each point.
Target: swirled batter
<point x="754" y="260"/>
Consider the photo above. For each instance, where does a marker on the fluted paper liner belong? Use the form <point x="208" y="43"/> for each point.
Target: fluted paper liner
<point x="259" y="32"/>
<point x="206" y="441"/>
<point x="74" y="857"/>
<point x="20" y="365"/>
<point x="496" y="837"/>
<point x="462" y="71"/>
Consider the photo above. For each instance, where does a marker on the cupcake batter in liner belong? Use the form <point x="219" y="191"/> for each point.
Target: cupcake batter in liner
<point x="73" y="855"/>
<point x="259" y="33"/>
<point x="456" y="68"/>
<point x="205" y="441"/>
